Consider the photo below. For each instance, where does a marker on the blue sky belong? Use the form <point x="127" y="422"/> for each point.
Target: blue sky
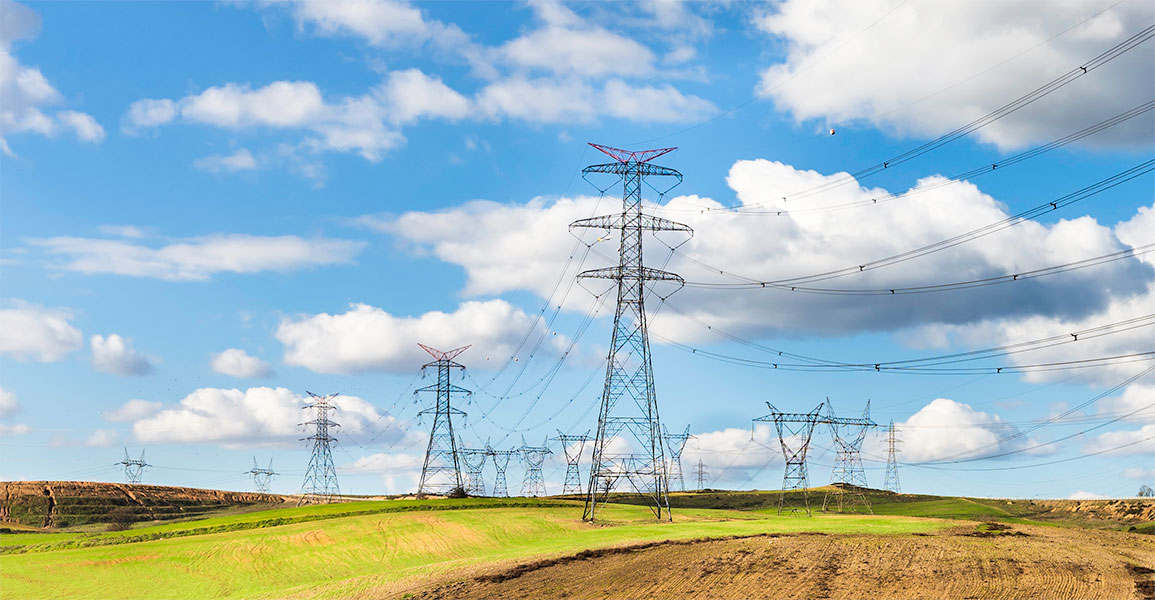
<point x="210" y="208"/>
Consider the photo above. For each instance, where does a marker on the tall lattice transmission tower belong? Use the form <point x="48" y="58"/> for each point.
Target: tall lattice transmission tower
<point x="892" y="444"/>
<point x="572" y="446"/>
<point x="500" y="463"/>
<point x="794" y="433"/>
<point x="441" y="472"/>
<point x="848" y="475"/>
<point x="474" y="459"/>
<point x="676" y="443"/>
<point x="321" y="476"/>
<point x="702" y="474"/>
<point x="133" y="467"/>
<point x="262" y="477"/>
<point x="533" y="456"/>
<point x="629" y="371"/>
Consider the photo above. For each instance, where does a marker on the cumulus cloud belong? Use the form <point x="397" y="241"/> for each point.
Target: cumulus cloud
<point x="1137" y="400"/>
<point x="802" y="243"/>
<point x="133" y="410"/>
<point x="1083" y="495"/>
<point x="368" y="339"/>
<point x="736" y="456"/>
<point x="127" y="231"/>
<point x="196" y="259"/>
<point x="33" y="333"/>
<point x="1125" y="442"/>
<point x="946" y="430"/>
<point x="25" y="92"/>
<point x="101" y="438"/>
<point x="16" y="429"/>
<point x="241" y="160"/>
<point x="256" y="416"/>
<point x="922" y="50"/>
<point x="400" y="472"/>
<point x="9" y="405"/>
<point x="385" y="23"/>
<point x="1139" y="473"/>
<point x="238" y="363"/>
<point x="114" y="354"/>
<point x="589" y="51"/>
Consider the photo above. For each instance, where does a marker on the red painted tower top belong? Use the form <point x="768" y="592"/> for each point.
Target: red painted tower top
<point x="439" y="355"/>
<point x="639" y="156"/>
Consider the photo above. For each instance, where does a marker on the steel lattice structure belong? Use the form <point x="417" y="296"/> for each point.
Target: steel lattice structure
<point x="474" y="459"/>
<point x="629" y="371"/>
<point x="133" y="467"/>
<point x="848" y="475"/>
<point x="441" y="471"/>
<point x="533" y="456"/>
<point x="500" y="462"/>
<point x="262" y="477"/>
<point x="572" y="446"/>
<point x="676" y="443"/>
<point x="892" y="460"/>
<point x="321" y="476"/>
<point x="703" y="475"/>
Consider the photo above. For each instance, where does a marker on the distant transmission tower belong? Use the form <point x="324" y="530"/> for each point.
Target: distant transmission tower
<point x="500" y="463"/>
<point x="703" y="475"/>
<point x="572" y="446"/>
<point x="321" y="477"/>
<point x="794" y="432"/>
<point x="533" y="457"/>
<point x="441" y="473"/>
<point x="676" y="442"/>
<point x="262" y="477"/>
<point x="892" y="461"/>
<point x="848" y="475"/>
<point x="474" y="459"/>
<point x="133" y="467"/>
<point x="629" y="372"/>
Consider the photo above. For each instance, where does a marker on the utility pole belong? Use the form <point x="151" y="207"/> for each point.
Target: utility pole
<point x="441" y="472"/>
<point x="892" y="460"/>
<point x="703" y="475"/>
<point x="474" y="459"/>
<point x="572" y="446"/>
<point x="676" y="442"/>
<point x="262" y="477"/>
<point x="321" y="477"/>
<point x="533" y="457"/>
<point x="500" y="463"/>
<point x="848" y="473"/>
<point x="629" y="370"/>
<point x="133" y="467"/>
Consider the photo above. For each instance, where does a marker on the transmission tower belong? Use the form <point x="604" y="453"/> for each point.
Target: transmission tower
<point x="848" y="474"/>
<point x="533" y="457"/>
<point x="794" y="432"/>
<point x="441" y="473"/>
<point x="474" y="459"/>
<point x="629" y="371"/>
<point x="500" y="462"/>
<point x="572" y="446"/>
<point x="676" y="442"/>
<point x="321" y="477"/>
<point x="262" y="477"/>
<point x="703" y="475"/>
<point x="133" y="467"/>
<point x="892" y="460"/>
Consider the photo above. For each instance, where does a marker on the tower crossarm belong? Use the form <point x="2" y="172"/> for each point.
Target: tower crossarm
<point x="627" y="156"/>
<point x="644" y="222"/>
<point x="632" y="274"/>
<point x="453" y="389"/>
<point x="631" y="168"/>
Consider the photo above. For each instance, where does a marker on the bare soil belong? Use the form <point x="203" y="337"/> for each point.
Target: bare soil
<point x="996" y="561"/>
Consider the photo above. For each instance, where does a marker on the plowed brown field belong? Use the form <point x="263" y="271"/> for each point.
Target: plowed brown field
<point x="1019" y="562"/>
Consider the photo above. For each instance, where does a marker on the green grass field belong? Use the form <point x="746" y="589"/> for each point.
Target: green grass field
<point x="362" y="548"/>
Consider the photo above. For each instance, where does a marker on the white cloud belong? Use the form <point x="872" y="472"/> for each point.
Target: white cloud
<point x="548" y="100"/>
<point x="657" y="104"/>
<point x="1137" y="398"/>
<point x="238" y="363"/>
<point x="1082" y="495"/>
<point x="17" y="429"/>
<point x="255" y="416"/>
<point x="527" y="254"/>
<point x="368" y="339"/>
<point x="9" y="405"/>
<point x="241" y="160"/>
<point x="25" y="92"/>
<point x="101" y="438"/>
<point x="1139" y="473"/>
<point x="1126" y="442"/>
<point x="411" y="94"/>
<point x="947" y="430"/>
<point x="133" y="410"/>
<point x="400" y="472"/>
<point x="149" y="113"/>
<point x="385" y="23"/>
<point x="735" y="455"/>
<point x="588" y="52"/>
<point x="34" y="333"/>
<point x="197" y="259"/>
<point x="115" y="355"/>
<point x="921" y="49"/>
<point x="127" y="231"/>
